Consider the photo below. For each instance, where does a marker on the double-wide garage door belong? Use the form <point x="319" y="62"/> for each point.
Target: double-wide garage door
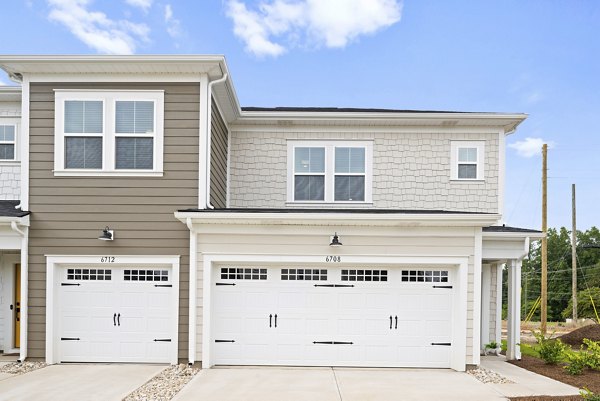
<point x="332" y="316"/>
<point x="115" y="314"/>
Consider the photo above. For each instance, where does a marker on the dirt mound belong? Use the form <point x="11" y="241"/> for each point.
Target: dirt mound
<point x="575" y="338"/>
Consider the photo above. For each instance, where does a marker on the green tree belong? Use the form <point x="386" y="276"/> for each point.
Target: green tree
<point x="585" y="307"/>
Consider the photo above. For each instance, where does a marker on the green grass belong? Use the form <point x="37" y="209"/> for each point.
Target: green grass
<point x="526" y="349"/>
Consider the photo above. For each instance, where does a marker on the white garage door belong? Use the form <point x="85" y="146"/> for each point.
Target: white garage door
<point x="377" y="317"/>
<point x="115" y="314"/>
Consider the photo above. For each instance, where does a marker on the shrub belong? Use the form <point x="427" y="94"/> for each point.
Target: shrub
<point x="585" y="307"/>
<point x="588" y="395"/>
<point x="593" y="352"/>
<point x="578" y="361"/>
<point x="552" y="351"/>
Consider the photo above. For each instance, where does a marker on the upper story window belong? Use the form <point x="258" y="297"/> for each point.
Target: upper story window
<point x="7" y="142"/>
<point x="329" y="171"/>
<point x="467" y="160"/>
<point x="109" y="133"/>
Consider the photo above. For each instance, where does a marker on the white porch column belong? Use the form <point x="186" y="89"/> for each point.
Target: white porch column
<point x="499" y="279"/>
<point x="514" y="309"/>
<point x="486" y="281"/>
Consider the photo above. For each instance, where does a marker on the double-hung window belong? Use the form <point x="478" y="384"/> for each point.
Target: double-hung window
<point x="7" y="142"/>
<point x="109" y="133"/>
<point x="467" y="160"/>
<point x="329" y="171"/>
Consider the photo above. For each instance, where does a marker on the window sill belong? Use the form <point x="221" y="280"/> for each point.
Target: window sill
<point x="10" y="162"/>
<point x="128" y="173"/>
<point x="316" y="204"/>
<point x="475" y="180"/>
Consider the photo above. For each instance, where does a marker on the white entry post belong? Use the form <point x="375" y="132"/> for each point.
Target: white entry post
<point x="513" y="350"/>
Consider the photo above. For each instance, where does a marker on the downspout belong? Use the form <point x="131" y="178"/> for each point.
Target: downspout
<point x="209" y="135"/>
<point x="24" y="288"/>
<point x="192" y="293"/>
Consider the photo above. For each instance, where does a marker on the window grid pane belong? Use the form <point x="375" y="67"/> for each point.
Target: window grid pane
<point x="468" y="171"/>
<point x="7" y="152"/>
<point x="134" y="117"/>
<point x="309" y="160"/>
<point x="467" y="155"/>
<point x="349" y="188"/>
<point x="83" y="117"/>
<point x="83" y="152"/>
<point x="309" y="188"/>
<point x="7" y="133"/>
<point x="349" y="160"/>
<point x="134" y="153"/>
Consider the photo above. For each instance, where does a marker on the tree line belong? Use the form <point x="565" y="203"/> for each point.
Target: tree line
<point x="560" y="304"/>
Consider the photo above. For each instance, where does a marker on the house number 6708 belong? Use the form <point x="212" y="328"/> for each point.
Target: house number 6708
<point x="107" y="259"/>
<point x="333" y="259"/>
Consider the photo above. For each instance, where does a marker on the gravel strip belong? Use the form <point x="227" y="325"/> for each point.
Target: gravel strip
<point x="19" y="368"/>
<point x="164" y="385"/>
<point x="487" y="376"/>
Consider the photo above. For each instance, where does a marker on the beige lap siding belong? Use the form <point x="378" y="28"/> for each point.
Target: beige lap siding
<point x="68" y="213"/>
<point x="218" y="161"/>
<point x="302" y="240"/>
<point x="410" y="171"/>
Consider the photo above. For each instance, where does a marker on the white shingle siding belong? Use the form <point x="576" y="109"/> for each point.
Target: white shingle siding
<point x="410" y="170"/>
<point x="10" y="181"/>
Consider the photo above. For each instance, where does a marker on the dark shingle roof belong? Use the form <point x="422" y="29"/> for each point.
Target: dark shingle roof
<point x="507" y="229"/>
<point x="8" y="209"/>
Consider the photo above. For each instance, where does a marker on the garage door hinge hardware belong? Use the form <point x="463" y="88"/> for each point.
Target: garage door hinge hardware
<point x="163" y="285"/>
<point x="224" y="283"/>
<point x="224" y="341"/>
<point x="333" y="342"/>
<point x="69" y="284"/>
<point x="442" y="286"/>
<point x="334" y="285"/>
<point x="163" y="340"/>
<point x="446" y="344"/>
<point x="69" y="339"/>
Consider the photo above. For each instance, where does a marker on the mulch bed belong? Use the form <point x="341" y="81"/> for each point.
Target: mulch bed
<point x="589" y="378"/>
<point x="575" y="338"/>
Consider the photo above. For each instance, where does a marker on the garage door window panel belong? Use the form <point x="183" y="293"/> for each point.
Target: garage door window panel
<point x="424" y="276"/>
<point x="145" y="275"/>
<point x="304" y="274"/>
<point x="364" y="275"/>
<point x="89" y="274"/>
<point x="243" y="273"/>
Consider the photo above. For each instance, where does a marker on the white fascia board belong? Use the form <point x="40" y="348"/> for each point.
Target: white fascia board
<point x="342" y="219"/>
<point x="512" y="235"/>
<point x="507" y="120"/>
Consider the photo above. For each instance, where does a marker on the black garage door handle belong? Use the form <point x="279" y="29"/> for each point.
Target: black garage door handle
<point x="115" y="319"/>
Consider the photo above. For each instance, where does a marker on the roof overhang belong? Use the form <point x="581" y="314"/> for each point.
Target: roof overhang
<point x="446" y="120"/>
<point x="338" y="219"/>
<point x="10" y="94"/>
<point x="8" y="220"/>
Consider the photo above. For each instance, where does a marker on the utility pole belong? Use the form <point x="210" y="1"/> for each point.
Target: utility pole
<point x="544" y="295"/>
<point x="574" y="254"/>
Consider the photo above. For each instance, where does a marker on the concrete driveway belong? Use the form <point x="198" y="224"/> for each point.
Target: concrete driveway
<point x="75" y="382"/>
<point x="335" y="384"/>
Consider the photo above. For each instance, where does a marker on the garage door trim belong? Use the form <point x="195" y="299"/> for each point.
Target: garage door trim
<point x="459" y="329"/>
<point x="56" y="262"/>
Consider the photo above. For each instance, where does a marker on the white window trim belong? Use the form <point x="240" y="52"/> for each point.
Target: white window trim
<point x="454" y="149"/>
<point x="109" y="99"/>
<point x="14" y="123"/>
<point x="330" y="170"/>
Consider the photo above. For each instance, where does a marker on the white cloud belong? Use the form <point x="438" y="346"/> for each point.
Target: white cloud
<point x="533" y="97"/>
<point x="277" y="25"/>
<point x="530" y="146"/>
<point x="173" y="24"/>
<point x="143" y="4"/>
<point x="95" y="29"/>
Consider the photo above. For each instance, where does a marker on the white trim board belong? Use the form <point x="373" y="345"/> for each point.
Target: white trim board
<point x="459" y="329"/>
<point x="55" y="262"/>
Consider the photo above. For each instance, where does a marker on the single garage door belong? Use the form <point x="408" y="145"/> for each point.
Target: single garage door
<point x="341" y="316"/>
<point x="115" y="314"/>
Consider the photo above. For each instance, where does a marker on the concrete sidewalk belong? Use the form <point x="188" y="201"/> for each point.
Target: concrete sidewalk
<point x="76" y="382"/>
<point x="334" y="384"/>
<point x="526" y="383"/>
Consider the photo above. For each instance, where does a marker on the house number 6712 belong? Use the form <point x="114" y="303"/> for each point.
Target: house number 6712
<point x="107" y="259"/>
<point x="333" y="259"/>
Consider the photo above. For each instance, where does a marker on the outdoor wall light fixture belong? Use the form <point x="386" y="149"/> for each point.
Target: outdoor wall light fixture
<point x="107" y="234"/>
<point x="335" y="240"/>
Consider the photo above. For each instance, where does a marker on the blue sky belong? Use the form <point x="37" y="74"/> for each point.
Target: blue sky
<point x="537" y="57"/>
